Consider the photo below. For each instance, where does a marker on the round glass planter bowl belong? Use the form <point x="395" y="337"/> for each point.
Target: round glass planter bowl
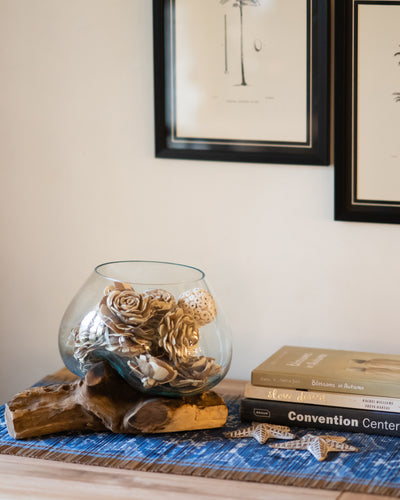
<point x="156" y="323"/>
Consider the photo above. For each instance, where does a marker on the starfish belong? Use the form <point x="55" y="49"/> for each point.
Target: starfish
<point x="262" y="432"/>
<point x="319" y="446"/>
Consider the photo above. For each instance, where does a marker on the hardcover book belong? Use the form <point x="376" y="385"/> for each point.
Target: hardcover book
<point x="320" y="417"/>
<point x="331" y="370"/>
<point x="323" y="398"/>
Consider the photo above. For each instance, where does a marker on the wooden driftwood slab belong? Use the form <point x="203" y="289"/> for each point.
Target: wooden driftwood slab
<point x="104" y="401"/>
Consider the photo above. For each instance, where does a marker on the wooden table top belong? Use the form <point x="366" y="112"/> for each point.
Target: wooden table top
<point x="30" y="478"/>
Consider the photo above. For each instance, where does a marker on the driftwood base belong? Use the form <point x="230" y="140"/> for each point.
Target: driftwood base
<point x="104" y="401"/>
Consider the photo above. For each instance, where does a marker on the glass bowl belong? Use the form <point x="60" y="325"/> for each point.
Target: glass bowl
<point x="156" y="323"/>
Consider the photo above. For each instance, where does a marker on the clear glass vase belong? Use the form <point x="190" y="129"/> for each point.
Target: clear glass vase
<point x="156" y="323"/>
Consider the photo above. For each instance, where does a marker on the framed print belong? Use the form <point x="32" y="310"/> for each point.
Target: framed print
<point x="367" y="109"/>
<point x="242" y="80"/>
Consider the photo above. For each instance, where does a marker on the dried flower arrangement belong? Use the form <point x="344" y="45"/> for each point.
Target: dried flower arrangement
<point x="155" y="335"/>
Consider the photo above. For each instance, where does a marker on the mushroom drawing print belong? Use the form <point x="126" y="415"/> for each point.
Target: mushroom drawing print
<point x="367" y="110"/>
<point x="237" y="76"/>
<point x="377" y="103"/>
<point x="257" y="43"/>
<point x="242" y="80"/>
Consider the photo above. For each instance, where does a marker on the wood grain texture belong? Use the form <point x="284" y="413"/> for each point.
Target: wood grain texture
<point x="104" y="401"/>
<point x="26" y="478"/>
<point x="361" y="496"/>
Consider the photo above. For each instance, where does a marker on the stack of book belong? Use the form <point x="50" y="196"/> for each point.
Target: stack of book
<point x="326" y="389"/>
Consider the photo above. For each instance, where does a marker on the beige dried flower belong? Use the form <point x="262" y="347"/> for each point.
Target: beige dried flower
<point x="122" y="308"/>
<point x="200" y="304"/>
<point x="161" y="300"/>
<point x="128" y="345"/>
<point x="87" y="338"/>
<point x="199" y="368"/>
<point x="195" y="372"/>
<point x="178" y="335"/>
<point x="92" y="337"/>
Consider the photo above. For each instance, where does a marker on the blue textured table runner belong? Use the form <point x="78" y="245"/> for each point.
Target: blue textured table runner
<point x="374" y="469"/>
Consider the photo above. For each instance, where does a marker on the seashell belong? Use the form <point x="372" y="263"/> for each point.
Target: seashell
<point x="262" y="432"/>
<point x="200" y="304"/>
<point x="151" y="370"/>
<point x="319" y="446"/>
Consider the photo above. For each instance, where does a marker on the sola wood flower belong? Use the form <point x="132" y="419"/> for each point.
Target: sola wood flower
<point x="156" y="336"/>
<point x="200" y="304"/>
<point x="128" y="345"/>
<point x="92" y="336"/>
<point x="87" y="338"/>
<point x="199" y="367"/>
<point x="122" y="308"/>
<point x="178" y="335"/>
<point x="161" y="300"/>
<point x="195" y="372"/>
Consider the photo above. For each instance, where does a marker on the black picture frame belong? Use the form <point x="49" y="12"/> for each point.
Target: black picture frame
<point x="365" y="184"/>
<point x="313" y="150"/>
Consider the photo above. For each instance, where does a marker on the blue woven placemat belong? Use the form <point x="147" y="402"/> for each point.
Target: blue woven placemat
<point x="375" y="469"/>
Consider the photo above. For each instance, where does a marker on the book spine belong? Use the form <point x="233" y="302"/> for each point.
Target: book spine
<point x="326" y="384"/>
<point x="320" y="417"/>
<point x="358" y="401"/>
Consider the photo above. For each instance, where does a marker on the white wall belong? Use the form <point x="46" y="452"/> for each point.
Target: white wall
<point x="80" y="186"/>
